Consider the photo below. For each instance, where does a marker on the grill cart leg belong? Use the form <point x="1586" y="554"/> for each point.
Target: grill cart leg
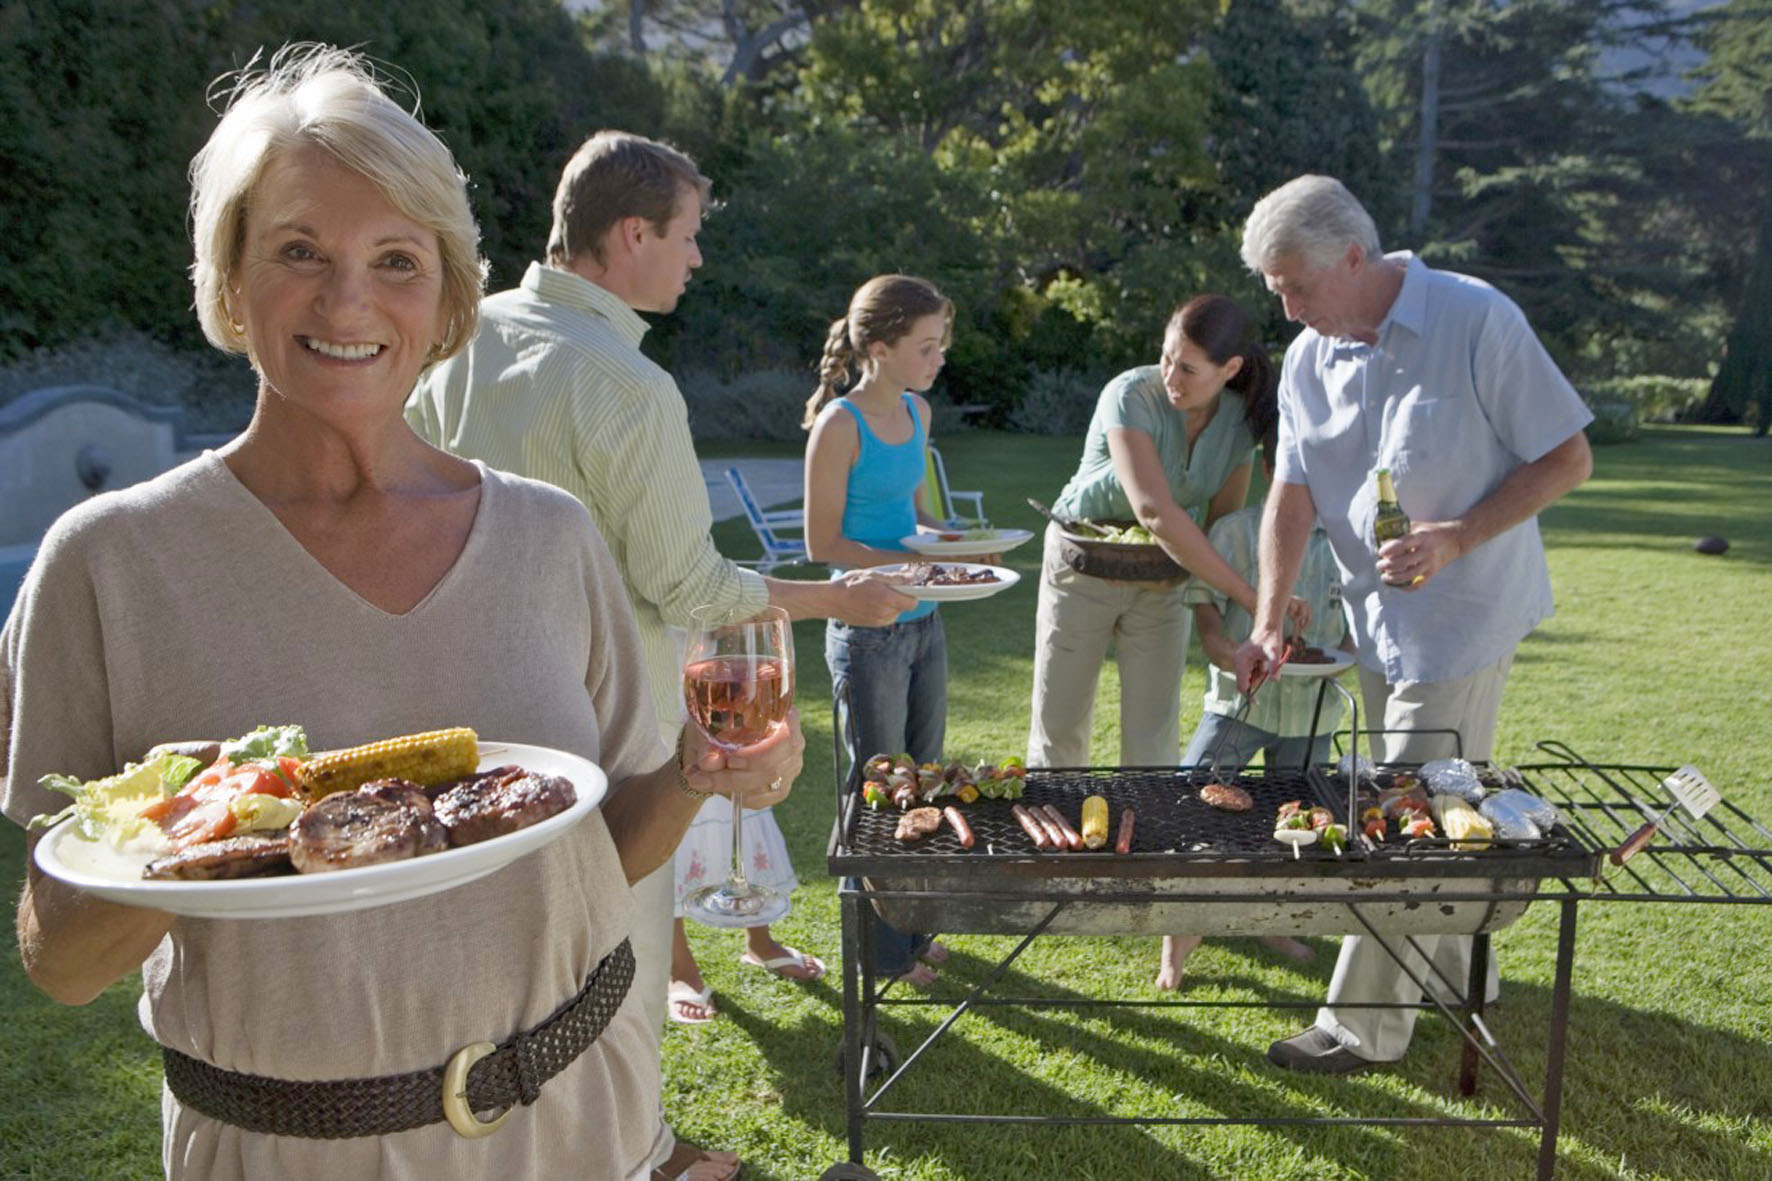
<point x="1553" y="1069"/>
<point x="1476" y="994"/>
<point x="854" y="1020"/>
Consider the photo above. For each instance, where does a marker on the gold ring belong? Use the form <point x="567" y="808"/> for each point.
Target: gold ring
<point x="455" y="1095"/>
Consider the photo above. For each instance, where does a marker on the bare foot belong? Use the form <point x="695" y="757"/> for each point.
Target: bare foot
<point x="1176" y="949"/>
<point x="918" y="975"/>
<point x="689" y="1163"/>
<point x="1290" y="948"/>
<point x="935" y="953"/>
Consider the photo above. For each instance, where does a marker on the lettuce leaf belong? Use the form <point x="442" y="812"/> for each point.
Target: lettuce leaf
<point x="111" y="807"/>
<point x="265" y="744"/>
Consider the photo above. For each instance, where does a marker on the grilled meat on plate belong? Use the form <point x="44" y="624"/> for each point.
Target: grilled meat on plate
<point x="484" y="807"/>
<point x="231" y="857"/>
<point x="388" y="820"/>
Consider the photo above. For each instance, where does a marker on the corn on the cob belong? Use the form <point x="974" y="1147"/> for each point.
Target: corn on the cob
<point x="436" y="756"/>
<point x="1095" y="822"/>
<point x="1461" y="823"/>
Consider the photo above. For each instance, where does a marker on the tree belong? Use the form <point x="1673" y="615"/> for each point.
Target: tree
<point x="1737" y="85"/>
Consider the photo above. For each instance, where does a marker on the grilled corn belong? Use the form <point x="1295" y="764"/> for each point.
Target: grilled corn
<point x="436" y="756"/>
<point x="1095" y="822"/>
<point x="1461" y="823"/>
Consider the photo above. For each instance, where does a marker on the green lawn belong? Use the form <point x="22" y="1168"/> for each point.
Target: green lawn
<point x="1657" y="655"/>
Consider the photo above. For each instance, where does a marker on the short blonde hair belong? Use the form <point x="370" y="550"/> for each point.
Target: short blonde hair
<point x="321" y="96"/>
<point x="1312" y="217"/>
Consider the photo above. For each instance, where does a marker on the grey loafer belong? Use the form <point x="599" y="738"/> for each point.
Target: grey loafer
<point x="1315" y="1050"/>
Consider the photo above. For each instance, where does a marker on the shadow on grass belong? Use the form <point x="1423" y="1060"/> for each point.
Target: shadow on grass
<point x="1676" y="1125"/>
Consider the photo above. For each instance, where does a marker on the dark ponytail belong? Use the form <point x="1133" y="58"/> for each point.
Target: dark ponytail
<point x="1219" y="327"/>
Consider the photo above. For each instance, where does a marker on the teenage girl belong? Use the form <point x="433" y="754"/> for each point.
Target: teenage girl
<point x="865" y="467"/>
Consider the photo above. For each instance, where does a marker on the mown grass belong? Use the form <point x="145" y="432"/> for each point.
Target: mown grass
<point x="1657" y="655"/>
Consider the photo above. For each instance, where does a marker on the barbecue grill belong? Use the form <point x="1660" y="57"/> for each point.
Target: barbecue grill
<point x="1196" y="868"/>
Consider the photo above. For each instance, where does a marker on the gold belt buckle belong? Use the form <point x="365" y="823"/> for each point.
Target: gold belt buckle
<point x="455" y="1095"/>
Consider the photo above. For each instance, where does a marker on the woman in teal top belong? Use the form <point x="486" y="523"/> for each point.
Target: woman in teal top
<point x="865" y="465"/>
<point x="1170" y="445"/>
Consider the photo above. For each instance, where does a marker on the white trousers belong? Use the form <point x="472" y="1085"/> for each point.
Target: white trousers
<point x="1078" y="617"/>
<point x="1365" y="971"/>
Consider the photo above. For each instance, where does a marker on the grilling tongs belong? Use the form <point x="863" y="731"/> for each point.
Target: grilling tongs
<point x="1242" y="713"/>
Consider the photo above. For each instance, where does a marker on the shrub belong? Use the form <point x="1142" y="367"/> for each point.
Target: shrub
<point x="1057" y="402"/>
<point x="215" y="390"/>
<point x="1655" y="398"/>
<point x="763" y="404"/>
<point x="1615" y="420"/>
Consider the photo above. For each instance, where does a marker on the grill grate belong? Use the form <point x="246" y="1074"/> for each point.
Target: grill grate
<point x="1171" y="818"/>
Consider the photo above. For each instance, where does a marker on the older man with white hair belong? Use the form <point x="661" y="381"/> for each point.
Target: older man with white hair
<point x="1438" y="377"/>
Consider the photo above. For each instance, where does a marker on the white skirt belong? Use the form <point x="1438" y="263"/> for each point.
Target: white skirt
<point x="704" y="855"/>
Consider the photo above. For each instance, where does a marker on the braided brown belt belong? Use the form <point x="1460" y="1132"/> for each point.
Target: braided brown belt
<point x="336" y="1109"/>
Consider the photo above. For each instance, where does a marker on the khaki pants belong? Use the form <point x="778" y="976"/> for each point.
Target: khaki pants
<point x="1365" y="971"/>
<point x="1078" y="617"/>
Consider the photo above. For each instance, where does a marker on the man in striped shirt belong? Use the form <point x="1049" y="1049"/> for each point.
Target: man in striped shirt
<point x="555" y="387"/>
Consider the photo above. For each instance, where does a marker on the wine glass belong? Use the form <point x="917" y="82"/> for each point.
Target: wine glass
<point x="738" y="682"/>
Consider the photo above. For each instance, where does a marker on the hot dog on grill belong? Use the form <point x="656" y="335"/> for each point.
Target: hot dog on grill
<point x="1123" y="842"/>
<point x="957" y="822"/>
<point x="1035" y="830"/>
<point x="1073" y="840"/>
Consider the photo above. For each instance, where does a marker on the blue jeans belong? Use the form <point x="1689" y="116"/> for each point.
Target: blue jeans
<point x="1241" y="741"/>
<point x="891" y="686"/>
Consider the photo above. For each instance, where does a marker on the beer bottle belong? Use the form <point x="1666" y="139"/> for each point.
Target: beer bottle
<point x="1391" y="522"/>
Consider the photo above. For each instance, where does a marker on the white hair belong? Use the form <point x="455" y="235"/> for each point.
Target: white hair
<point x="318" y="95"/>
<point x="1312" y="217"/>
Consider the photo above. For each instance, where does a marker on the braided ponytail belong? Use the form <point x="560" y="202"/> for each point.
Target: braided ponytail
<point x="835" y="369"/>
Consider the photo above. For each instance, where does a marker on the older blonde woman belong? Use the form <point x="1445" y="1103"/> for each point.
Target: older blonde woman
<point x="330" y="568"/>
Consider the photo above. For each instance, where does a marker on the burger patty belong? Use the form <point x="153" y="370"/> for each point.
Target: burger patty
<point x="387" y="820"/>
<point x="918" y="823"/>
<point x="1227" y="797"/>
<point x="247" y="856"/>
<point x="488" y="806"/>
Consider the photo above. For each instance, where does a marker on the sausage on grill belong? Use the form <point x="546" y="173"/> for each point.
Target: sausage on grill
<point x="1035" y="830"/>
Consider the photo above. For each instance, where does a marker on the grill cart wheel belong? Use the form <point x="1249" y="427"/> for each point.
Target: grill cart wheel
<point x="884" y="1061"/>
<point x="848" y="1171"/>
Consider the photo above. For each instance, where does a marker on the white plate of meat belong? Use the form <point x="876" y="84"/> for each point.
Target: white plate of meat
<point x="1312" y="661"/>
<point x="100" y="869"/>
<point x="947" y="582"/>
<point x="966" y="543"/>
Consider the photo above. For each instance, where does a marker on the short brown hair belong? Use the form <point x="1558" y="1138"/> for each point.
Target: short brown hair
<point x="615" y="175"/>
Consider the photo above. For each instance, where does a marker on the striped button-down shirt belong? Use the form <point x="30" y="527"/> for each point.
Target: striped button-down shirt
<point x="1283" y="708"/>
<point x="554" y="387"/>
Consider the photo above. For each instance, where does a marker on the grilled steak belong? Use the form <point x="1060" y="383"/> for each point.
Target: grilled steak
<point x="259" y="854"/>
<point x="1226" y="797"/>
<point x="485" y="806"/>
<point x="918" y="823"/>
<point x="388" y="820"/>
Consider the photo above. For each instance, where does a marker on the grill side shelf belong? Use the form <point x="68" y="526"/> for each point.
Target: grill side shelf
<point x="1725" y="857"/>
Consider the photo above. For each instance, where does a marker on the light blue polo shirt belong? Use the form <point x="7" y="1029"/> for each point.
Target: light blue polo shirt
<point x="1456" y="394"/>
<point x="1136" y="400"/>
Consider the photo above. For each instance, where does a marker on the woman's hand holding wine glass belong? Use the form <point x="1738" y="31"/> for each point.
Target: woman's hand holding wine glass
<point x="738" y="685"/>
<point x="763" y="774"/>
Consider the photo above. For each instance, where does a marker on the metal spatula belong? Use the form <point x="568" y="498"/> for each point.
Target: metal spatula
<point x="1691" y="791"/>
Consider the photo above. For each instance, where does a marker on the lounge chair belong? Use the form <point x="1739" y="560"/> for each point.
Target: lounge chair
<point x="770" y="526"/>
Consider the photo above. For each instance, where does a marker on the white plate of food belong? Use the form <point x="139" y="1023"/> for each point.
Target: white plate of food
<point x="965" y="543"/>
<point x="949" y="582"/>
<point x="1317" y="662"/>
<point x="99" y="868"/>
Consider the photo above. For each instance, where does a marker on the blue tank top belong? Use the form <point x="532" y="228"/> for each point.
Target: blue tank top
<point x="881" y="506"/>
